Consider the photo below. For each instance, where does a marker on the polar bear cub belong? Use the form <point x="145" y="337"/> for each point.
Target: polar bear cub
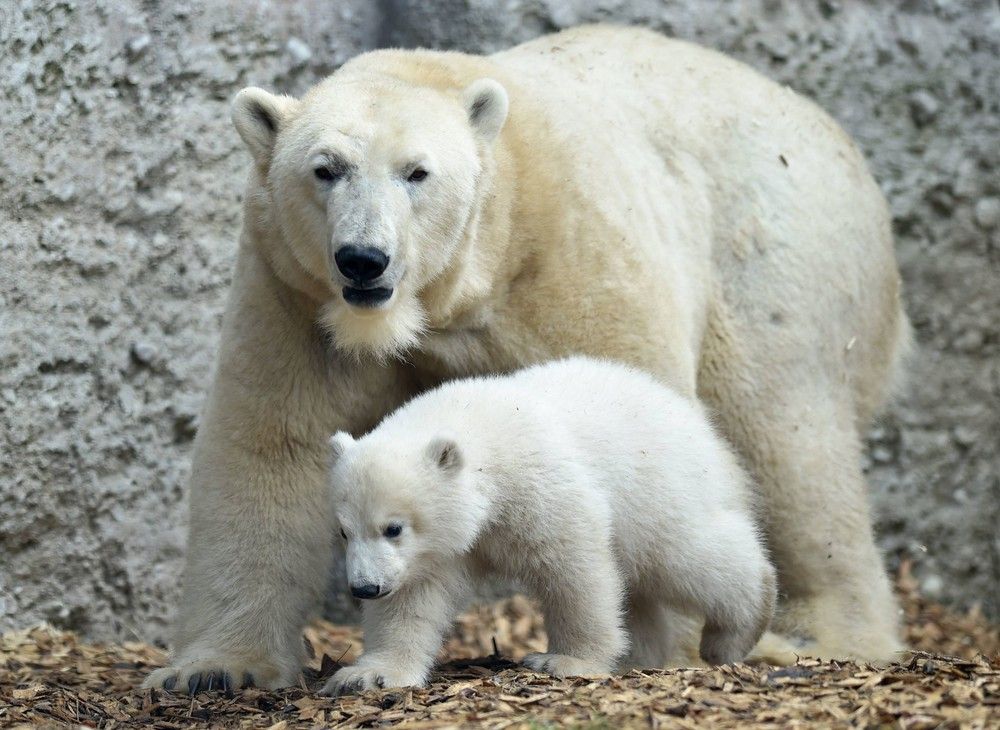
<point x="603" y="493"/>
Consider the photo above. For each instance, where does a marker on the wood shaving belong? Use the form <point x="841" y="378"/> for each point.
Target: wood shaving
<point x="951" y="679"/>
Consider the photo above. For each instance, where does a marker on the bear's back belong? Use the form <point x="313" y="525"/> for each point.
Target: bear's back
<point x="608" y="405"/>
<point x="596" y="405"/>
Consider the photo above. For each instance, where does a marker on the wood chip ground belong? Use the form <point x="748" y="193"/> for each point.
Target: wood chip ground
<point x="950" y="680"/>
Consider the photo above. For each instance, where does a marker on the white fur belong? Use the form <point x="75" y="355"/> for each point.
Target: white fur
<point x="644" y="200"/>
<point x="380" y="334"/>
<point x="259" y="117"/>
<point x="584" y="481"/>
<point x="374" y="147"/>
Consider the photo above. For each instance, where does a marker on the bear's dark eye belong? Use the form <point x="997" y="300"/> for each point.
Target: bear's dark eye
<point x="325" y="174"/>
<point x="393" y="530"/>
<point x="342" y="533"/>
<point x="417" y="175"/>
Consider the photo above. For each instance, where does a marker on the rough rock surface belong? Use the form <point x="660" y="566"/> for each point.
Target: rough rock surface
<point x="120" y="185"/>
<point x="120" y="180"/>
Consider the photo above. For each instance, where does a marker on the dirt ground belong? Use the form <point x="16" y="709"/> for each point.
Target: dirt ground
<point x="951" y="679"/>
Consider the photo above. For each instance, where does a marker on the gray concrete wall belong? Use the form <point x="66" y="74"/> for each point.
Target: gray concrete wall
<point x="120" y="181"/>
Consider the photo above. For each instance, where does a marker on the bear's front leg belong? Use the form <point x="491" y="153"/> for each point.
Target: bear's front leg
<point x="258" y="560"/>
<point x="260" y="540"/>
<point x="583" y="622"/>
<point x="578" y="583"/>
<point x="403" y="633"/>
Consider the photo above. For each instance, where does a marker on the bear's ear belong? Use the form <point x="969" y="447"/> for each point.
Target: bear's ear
<point x="486" y="104"/>
<point x="444" y="454"/>
<point x="258" y="116"/>
<point x="339" y="443"/>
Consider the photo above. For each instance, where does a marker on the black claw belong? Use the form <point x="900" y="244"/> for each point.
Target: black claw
<point x="170" y="682"/>
<point x="248" y="680"/>
<point x="209" y="683"/>
<point x="380" y="682"/>
<point x="226" y="683"/>
<point x="193" y="682"/>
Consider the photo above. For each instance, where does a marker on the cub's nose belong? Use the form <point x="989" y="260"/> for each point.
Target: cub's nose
<point x="361" y="265"/>
<point x="367" y="590"/>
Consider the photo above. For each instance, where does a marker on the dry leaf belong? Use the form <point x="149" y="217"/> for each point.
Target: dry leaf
<point x="50" y="678"/>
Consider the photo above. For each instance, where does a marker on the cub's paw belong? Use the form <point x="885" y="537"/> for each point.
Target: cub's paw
<point x="719" y="646"/>
<point x="351" y="680"/>
<point x="562" y="665"/>
<point x="218" y="675"/>
<point x="777" y="650"/>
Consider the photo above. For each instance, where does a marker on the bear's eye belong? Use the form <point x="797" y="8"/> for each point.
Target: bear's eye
<point x="325" y="174"/>
<point x="417" y="175"/>
<point x="393" y="530"/>
<point x="342" y="533"/>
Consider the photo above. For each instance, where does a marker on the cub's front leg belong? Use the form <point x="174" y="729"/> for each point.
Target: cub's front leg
<point x="403" y="633"/>
<point x="583" y="621"/>
<point x="573" y="573"/>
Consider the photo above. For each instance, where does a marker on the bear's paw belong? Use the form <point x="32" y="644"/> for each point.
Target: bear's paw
<point x="221" y="675"/>
<point x="562" y="665"/>
<point x="351" y="680"/>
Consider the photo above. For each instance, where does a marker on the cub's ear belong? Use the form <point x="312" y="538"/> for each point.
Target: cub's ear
<point x="486" y="104"/>
<point x="339" y="443"/>
<point x="444" y="454"/>
<point x="258" y="116"/>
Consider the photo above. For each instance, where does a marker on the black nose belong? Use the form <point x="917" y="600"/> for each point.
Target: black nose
<point x="361" y="265"/>
<point x="368" y="590"/>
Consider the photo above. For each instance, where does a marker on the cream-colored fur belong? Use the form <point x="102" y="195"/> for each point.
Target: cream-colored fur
<point x="645" y="200"/>
<point x="583" y="481"/>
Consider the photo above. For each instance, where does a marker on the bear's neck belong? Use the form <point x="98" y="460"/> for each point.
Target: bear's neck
<point x="482" y="263"/>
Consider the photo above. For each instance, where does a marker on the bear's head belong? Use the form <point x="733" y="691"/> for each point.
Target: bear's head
<point x="371" y="184"/>
<point x="404" y="508"/>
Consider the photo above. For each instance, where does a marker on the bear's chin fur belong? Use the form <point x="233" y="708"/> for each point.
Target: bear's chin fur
<point x="379" y="333"/>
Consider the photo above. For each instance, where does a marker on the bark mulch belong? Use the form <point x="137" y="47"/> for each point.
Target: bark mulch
<point x="951" y="679"/>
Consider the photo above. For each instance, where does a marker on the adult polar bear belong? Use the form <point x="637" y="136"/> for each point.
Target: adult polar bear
<point x="640" y="199"/>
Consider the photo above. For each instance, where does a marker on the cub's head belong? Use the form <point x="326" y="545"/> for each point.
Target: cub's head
<point x="371" y="183"/>
<point x="403" y="508"/>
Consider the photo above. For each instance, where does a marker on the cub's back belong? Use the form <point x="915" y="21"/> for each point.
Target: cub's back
<point x="650" y="446"/>
<point x="608" y="406"/>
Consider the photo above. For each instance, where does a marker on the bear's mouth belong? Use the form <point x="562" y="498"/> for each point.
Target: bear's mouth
<point x="373" y="297"/>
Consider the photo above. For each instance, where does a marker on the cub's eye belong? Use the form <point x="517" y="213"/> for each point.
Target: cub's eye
<point x="342" y="533"/>
<point x="417" y="175"/>
<point x="325" y="174"/>
<point x="393" y="530"/>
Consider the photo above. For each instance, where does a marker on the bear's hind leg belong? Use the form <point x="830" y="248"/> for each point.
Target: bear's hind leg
<point x="836" y="601"/>
<point x="717" y="568"/>
<point x="732" y="629"/>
